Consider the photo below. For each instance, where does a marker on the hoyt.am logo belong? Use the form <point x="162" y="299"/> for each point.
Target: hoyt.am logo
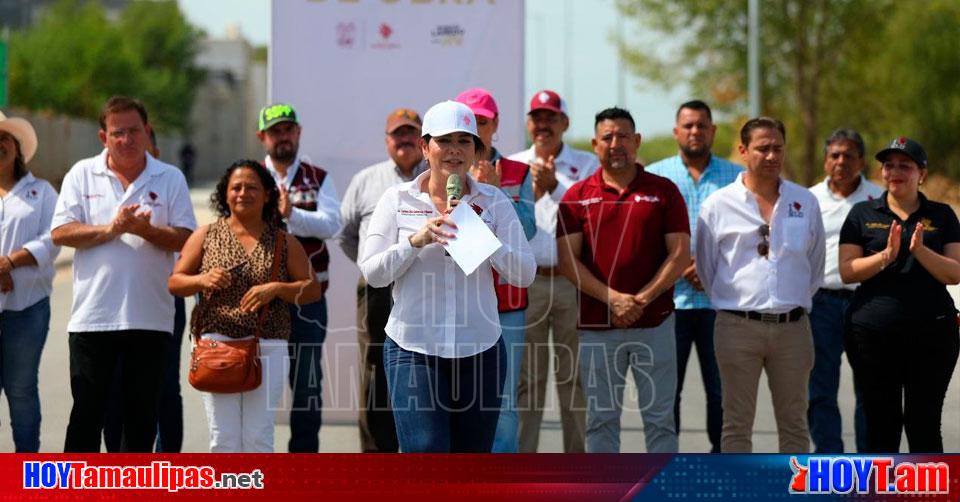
<point x="880" y="475"/>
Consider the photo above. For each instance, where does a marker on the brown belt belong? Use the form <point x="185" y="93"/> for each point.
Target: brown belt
<point x="548" y="271"/>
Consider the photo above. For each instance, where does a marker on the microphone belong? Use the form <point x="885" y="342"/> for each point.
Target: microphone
<point x="454" y="187"/>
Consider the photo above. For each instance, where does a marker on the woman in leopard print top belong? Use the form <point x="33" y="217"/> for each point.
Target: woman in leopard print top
<point x="229" y="263"/>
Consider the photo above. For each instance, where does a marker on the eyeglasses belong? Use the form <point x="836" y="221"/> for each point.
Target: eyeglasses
<point x="763" y="249"/>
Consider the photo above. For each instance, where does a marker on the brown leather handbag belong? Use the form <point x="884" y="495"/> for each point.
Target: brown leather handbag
<point x="234" y="365"/>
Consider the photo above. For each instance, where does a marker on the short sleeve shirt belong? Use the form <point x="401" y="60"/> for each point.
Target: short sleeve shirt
<point x="623" y="239"/>
<point x="904" y="291"/>
<point x="718" y="174"/>
<point x="122" y="284"/>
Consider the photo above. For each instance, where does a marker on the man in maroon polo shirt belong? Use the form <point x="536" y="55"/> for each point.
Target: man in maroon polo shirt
<point x="623" y="239"/>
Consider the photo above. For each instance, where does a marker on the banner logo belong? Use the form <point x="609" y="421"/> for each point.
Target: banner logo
<point x="385" y="31"/>
<point x="880" y="475"/>
<point x="346" y="35"/>
<point x="447" y="35"/>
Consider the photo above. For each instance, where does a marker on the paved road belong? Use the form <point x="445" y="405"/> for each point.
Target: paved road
<point x="340" y="434"/>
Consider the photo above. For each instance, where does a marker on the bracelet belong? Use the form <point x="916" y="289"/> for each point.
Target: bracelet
<point x="884" y="260"/>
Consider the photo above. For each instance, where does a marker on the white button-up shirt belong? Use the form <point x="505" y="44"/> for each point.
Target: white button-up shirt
<point x="360" y="200"/>
<point x="122" y="284"/>
<point x="572" y="165"/>
<point x="834" y="209"/>
<point x="437" y="309"/>
<point x="733" y="273"/>
<point x="25" y="214"/>
<point x="320" y="224"/>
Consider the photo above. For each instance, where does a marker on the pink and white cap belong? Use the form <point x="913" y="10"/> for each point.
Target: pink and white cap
<point x="449" y="117"/>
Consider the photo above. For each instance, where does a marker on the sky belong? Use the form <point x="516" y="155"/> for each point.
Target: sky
<point x="584" y="67"/>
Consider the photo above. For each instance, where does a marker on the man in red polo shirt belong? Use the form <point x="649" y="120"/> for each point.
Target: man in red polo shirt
<point x="623" y="239"/>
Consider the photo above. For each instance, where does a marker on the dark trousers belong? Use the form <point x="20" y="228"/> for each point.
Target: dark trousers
<point x="308" y="331"/>
<point x="94" y="357"/>
<point x="378" y="434"/>
<point x="445" y="405"/>
<point x="695" y="327"/>
<point x="828" y="324"/>
<point x="170" y="411"/>
<point x="905" y="370"/>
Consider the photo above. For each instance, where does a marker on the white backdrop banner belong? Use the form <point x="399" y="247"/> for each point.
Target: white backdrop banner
<point x="344" y="65"/>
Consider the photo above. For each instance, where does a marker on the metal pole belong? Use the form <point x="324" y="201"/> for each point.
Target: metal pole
<point x="568" y="51"/>
<point x="621" y="73"/>
<point x="753" y="57"/>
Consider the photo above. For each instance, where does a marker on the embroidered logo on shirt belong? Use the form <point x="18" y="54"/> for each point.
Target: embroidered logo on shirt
<point x="927" y="225"/>
<point x="415" y="212"/>
<point x="31" y="195"/>
<point x="153" y="195"/>
<point x="646" y="198"/>
<point x="153" y="199"/>
<point x="592" y="200"/>
<point x="877" y="226"/>
<point x="89" y="196"/>
<point x="794" y="210"/>
<point x="574" y="170"/>
<point x="477" y="209"/>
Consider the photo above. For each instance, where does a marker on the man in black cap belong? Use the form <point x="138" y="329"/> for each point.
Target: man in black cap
<point x="902" y="339"/>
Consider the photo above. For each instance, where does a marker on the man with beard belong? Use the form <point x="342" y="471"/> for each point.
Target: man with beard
<point x="309" y="206"/>
<point x="843" y="186"/>
<point x="378" y="433"/>
<point x="623" y="239"/>
<point x="697" y="173"/>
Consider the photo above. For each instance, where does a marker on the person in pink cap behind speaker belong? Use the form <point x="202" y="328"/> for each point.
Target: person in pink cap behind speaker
<point x="516" y="181"/>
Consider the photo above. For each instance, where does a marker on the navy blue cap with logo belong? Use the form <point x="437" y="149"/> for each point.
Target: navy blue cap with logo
<point x="906" y="146"/>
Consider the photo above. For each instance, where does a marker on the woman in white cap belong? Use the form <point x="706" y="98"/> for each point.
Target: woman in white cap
<point x="902" y="339"/>
<point x="444" y="359"/>
<point x="26" y="278"/>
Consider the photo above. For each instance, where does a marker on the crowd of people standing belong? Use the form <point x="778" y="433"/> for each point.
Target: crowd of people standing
<point x="605" y="267"/>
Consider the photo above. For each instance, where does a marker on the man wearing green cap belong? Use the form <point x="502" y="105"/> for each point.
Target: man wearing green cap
<point x="309" y="206"/>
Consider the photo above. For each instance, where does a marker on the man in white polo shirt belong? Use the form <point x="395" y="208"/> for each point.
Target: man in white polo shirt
<point x="760" y="251"/>
<point x="843" y="186"/>
<point x="126" y="213"/>
<point x="555" y="166"/>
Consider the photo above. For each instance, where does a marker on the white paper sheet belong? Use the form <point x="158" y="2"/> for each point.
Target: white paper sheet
<point x="474" y="243"/>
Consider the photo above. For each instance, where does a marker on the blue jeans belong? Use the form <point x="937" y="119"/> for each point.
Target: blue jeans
<point x="22" y="336"/>
<point x="828" y="323"/>
<point x="651" y="355"/>
<point x="309" y="329"/>
<point x="513" y="329"/>
<point x="695" y="326"/>
<point x="445" y="405"/>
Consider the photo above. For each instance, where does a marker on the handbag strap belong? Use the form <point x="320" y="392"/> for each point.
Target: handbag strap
<point x="274" y="273"/>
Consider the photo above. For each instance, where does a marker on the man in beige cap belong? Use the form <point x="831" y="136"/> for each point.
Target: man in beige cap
<point x="377" y="431"/>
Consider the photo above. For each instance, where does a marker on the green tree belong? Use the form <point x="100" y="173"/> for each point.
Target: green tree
<point x="802" y="45"/>
<point x="165" y="45"/>
<point x="70" y="62"/>
<point x="75" y="58"/>
<point x="917" y="72"/>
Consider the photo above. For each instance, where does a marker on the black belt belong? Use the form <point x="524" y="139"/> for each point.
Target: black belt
<point x="846" y="294"/>
<point x="792" y="316"/>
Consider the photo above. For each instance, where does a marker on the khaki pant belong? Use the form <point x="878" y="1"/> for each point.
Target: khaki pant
<point x="553" y="306"/>
<point x="785" y="351"/>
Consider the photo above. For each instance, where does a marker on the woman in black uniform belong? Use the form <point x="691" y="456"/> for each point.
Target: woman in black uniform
<point x="903" y="337"/>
